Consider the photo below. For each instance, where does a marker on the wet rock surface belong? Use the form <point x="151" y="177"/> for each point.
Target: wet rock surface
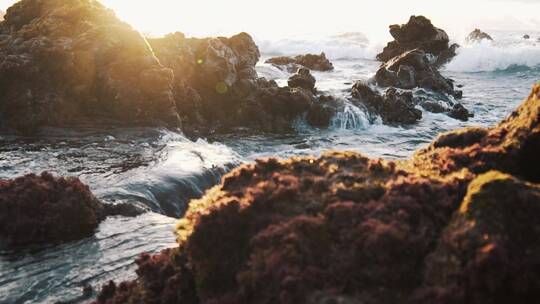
<point x="438" y="228"/>
<point x="311" y="61"/>
<point x="302" y="79"/>
<point x="417" y="33"/>
<point x="38" y="209"/>
<point x="477" y="36"/>
<point x="394" y="106"/>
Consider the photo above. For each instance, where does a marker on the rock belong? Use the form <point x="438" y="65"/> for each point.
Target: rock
<point x="414" y="69"/>
<point x="311" y="61"/>
<point x="37" y="209"/>
<point x="526" y="37"/>
<point x="394" y="107"/>
<point x="459" y="112"/>
<point x="65" y="62"/>
<point x="446" y="56"/>
<point x="492" y="240"/>
<point x="432" y="229"/>
<point x="322" y="111"/>
<point x="217" y="86"/>
<point x="477" y="36"/>
<point x="302" y="79"/>
<point x="418" y="33"/>
<point x="43" y="209"/>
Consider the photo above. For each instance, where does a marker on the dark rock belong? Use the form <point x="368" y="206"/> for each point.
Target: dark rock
<point x="526" y="37"/>
<point x="460" y="112"/>
<point x="414" y="69"/>
<point x="394" y="107"/>
<point x="311" y="61"/>
<point x="321" y="112"/>
<point x="46" y="209"/>
<point x="418" y="33"/>
<point x="63" y="62"/>
<point x="477" y="36"/>
<point x="302" y="79"/>
<point x="446" y="56"/>
<point x="347" y="228"/>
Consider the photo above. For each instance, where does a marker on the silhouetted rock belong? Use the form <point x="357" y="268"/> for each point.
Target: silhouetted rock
<point x="323" y="110"/>
<point x="310" y="61"/>
<point x="526" y="37"/>
<point x="394" y="107"/>
<point x="302" y="79"/>
<point x="477" y="36"/>
<point x="414" y="69"/>
<point x="418" y="33"/>
<point x="433" y="229"/>
<point x="63" y="62"/>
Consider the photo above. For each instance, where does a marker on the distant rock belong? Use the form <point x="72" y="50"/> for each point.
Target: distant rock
<point x="302" y="79"/>
<point x="456" y="223"/>
<point x="310" y="61"/>
<point x="394" y="107"/>
<point x="46" y="209"/>
<point x="526" y="37"/>
<point x="477" y="36"/>
<point x="414" y="69"/>
<point x="418" y="33"/>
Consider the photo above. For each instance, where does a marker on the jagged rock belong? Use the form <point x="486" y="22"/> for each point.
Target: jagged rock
<point x="526" y="37"/>
<point x="432" y="229"/>
<point x="414" y="69"/>
<point x="446" y="56"/>
<point x="62" y="62"/>
<point x="394" y="107"/>
<point x="302" y="79"/>
<point x="459" y="112"/>
<point x="311" y="61"/>
<point x="477" y="36"/>
<point x="217" y="86"/>
<point x="418" y="33"/>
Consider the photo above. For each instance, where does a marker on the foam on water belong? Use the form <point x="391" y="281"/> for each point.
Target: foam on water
<point x="488" y="56"/>
<point x="351" y="118"/>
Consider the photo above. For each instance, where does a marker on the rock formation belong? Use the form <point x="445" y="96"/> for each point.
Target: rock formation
<point x="63" y="62"/>
<point x="456" y="223"/>
<point x="477" y="36"/>
<point x="526" y="37"/>
<point x="311" y="61"/>
<point x="394" y="107"/>
<point x="47" y="209"/>
<point x="418" y="33"/>
<point x="303" y="79"/>
<point x="413" y="69"/>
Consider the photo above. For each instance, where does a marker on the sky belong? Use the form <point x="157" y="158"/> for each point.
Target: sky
<point x="284" y="18"/>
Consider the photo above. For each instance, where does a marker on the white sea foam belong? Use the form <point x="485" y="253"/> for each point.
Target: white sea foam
<point x="488" y="56"/>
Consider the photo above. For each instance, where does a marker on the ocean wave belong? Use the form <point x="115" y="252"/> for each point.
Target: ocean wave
<point x="488" y="57"/>
<point x="353" y="45"/>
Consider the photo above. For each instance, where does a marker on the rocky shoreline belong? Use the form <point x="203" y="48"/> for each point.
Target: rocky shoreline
<point x="455" y="223"/>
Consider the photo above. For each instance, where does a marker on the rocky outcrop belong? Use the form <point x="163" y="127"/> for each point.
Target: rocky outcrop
<point x="302" y="79"/>
<point x="63" y="62"/>
<point x="438" y="228"/>
<point x="418" y="33"/>
<point x="217" y="86"/>
<point x="477" y="36"/>
<point x="47" y="209"/>
<point x="414" y="69"/>
<point x="394" y="107"/>
<point x="311" y="61"/>
<point x="526" y="37"/>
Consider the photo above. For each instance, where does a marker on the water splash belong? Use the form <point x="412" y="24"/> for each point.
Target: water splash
<point x="351" y="118"/>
